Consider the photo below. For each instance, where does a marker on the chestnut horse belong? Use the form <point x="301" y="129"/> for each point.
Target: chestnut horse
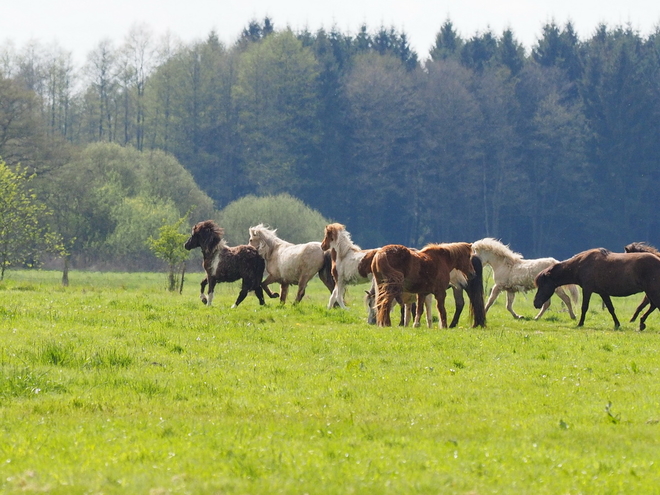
<point x="398" y="269"/>
<point x="226" y="264"/>
<point x="457" y="282"/>
<point x="606" y="274"/>
<point x="640" y="247"/>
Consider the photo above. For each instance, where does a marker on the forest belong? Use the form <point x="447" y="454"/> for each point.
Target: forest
<point x="552" y="150"/>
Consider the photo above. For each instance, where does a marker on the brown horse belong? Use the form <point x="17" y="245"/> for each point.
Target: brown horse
<point x="398" y="269"/>
<point x="606" y="274"/>
<point x="640" y="247"/>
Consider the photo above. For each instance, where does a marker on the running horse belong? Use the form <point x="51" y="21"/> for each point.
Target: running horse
<point x="398" y="269"/>
<point x="606" y="274"/>
<point x="640" y="247"/>
<point x="290" y="264"/>
<point x="512" y="273"/>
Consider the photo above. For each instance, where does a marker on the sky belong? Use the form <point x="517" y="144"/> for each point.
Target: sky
<point x="78" y="26"/>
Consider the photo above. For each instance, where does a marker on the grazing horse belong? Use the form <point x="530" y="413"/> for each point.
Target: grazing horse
<point x="226" y="264"/>
<point x="290" y="264"/>
<point x="640" y="247"/>
<point x="607" y="274"/>
<point x="513" y="273"/>
<point x="346" y="262"/>
<point x="398" y="269"/>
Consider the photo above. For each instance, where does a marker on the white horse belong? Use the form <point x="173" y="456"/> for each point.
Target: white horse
<point x="513" y="273"/>
<point x="287" y="263"/>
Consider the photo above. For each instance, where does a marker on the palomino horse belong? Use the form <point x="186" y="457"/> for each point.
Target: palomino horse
<point x="513" y="273"/>
<point x="640" y="247"/>
<point x="606" y="274"/>
<point x="226" y="264"/>
<point x="289" y="264"/>
<point x="398" y="269"/>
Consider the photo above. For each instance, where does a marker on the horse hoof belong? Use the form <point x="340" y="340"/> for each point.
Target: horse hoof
<point x="204" y="300"/>
<point x="642" y="327"/>
<point x="274" y="295"/>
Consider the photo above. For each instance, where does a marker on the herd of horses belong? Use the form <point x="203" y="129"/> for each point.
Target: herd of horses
<point x="412" y="277"/>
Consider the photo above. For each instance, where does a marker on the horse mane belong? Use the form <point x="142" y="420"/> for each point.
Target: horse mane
<point x="641" y="247"/>
<point x="216" y="232"/>
<point x="498" y="248"/>
<point x="266" y="235"/>
<point x="343" y="239"/>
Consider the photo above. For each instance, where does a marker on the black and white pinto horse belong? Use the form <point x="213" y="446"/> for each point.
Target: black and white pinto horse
<point x="227" y="264"/>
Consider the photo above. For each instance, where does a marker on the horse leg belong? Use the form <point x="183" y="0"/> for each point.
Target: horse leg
<point x="406" y="313"/>
<point x="284" y="290"/>
<point x="264" y="285"/>
<point x="494" y="292"/>
<point x="460" y="304"/>
<point x="211" y="288"/>
<point x="245" y="288"/>
<point x="333" y="297"/>
<point x="421" y="302"/>
<point x="440" y="300"/>
<point x="259" y="292"/>
<point x="201" y="294"/>
<point x="608" y="303"/>
<point x="510" y="297"/>
<point x="586" y="296"/>
<point x="544" y="308"/>
<point x="642" y="320"/>
<point x="639" y="309"/>
<point x="561" y="293"/>
<point x="302" y="285"/>
<point x="428" y="302"/>
<point x="341" y="290"/>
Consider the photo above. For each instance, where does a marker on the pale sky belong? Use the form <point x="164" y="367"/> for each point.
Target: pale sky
<point x="79" y="25"/>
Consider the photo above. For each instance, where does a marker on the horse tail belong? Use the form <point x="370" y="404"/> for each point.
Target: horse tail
<point x="475" y="291"/>
<point x="326" y="272"/>
<point x="388" y="288"/>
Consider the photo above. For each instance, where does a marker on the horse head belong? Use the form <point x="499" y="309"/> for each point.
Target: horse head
<point x="261" y="239"/>
<point x="545" y="286"/>
<point x="331" y="235"/>
<point x="205" y="235"/>
<point x="640" y="247"/>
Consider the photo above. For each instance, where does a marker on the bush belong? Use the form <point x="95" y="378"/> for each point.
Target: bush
<point x="295" y="222"/>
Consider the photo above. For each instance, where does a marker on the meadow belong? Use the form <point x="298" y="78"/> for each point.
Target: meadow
<point x="114" y="385"/>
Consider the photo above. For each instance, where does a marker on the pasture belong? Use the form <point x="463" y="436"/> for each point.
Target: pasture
<point x="114" y="385"/>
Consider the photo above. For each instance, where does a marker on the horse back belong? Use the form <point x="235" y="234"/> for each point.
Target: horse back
<point x="618" y="274"/>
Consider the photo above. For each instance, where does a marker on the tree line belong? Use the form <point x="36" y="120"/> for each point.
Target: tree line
<point x="554" y="150"/>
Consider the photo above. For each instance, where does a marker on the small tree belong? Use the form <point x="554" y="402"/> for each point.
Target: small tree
<point x="168" y="246"/>
<point x="24" y="235"/>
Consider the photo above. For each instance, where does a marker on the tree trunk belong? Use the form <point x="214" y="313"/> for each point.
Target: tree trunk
<point x="65" y="272"/>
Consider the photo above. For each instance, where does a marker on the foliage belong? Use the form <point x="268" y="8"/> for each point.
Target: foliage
<point x="295" y="222"/>
<point x="168" y="246"/>
<point x="551" y="147"/>
<point x="24" y="236"/>
<point x="115" y="385"/>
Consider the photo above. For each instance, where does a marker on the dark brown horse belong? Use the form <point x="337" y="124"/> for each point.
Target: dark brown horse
<point x="606" y="274"/>
<point x="398" y="269"/>
<point x="227" y="264"/>
<point x="640" y="247"/>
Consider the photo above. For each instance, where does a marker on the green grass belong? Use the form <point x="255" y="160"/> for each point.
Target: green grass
<point x="114" y="385"/>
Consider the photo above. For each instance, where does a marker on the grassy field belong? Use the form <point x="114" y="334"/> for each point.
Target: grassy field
<point x="114" y="385"/>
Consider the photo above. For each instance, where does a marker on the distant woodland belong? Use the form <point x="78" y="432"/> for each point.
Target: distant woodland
<point x="552" y="150"/>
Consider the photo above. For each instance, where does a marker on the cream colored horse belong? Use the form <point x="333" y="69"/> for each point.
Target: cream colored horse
<point x="286" y="263"/>
<point x="513" y="273"/>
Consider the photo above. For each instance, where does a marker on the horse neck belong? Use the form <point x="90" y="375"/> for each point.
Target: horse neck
<point x="271" y="243"/>
<point x="344" y="246"/>
<point x="217" y="245"/>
